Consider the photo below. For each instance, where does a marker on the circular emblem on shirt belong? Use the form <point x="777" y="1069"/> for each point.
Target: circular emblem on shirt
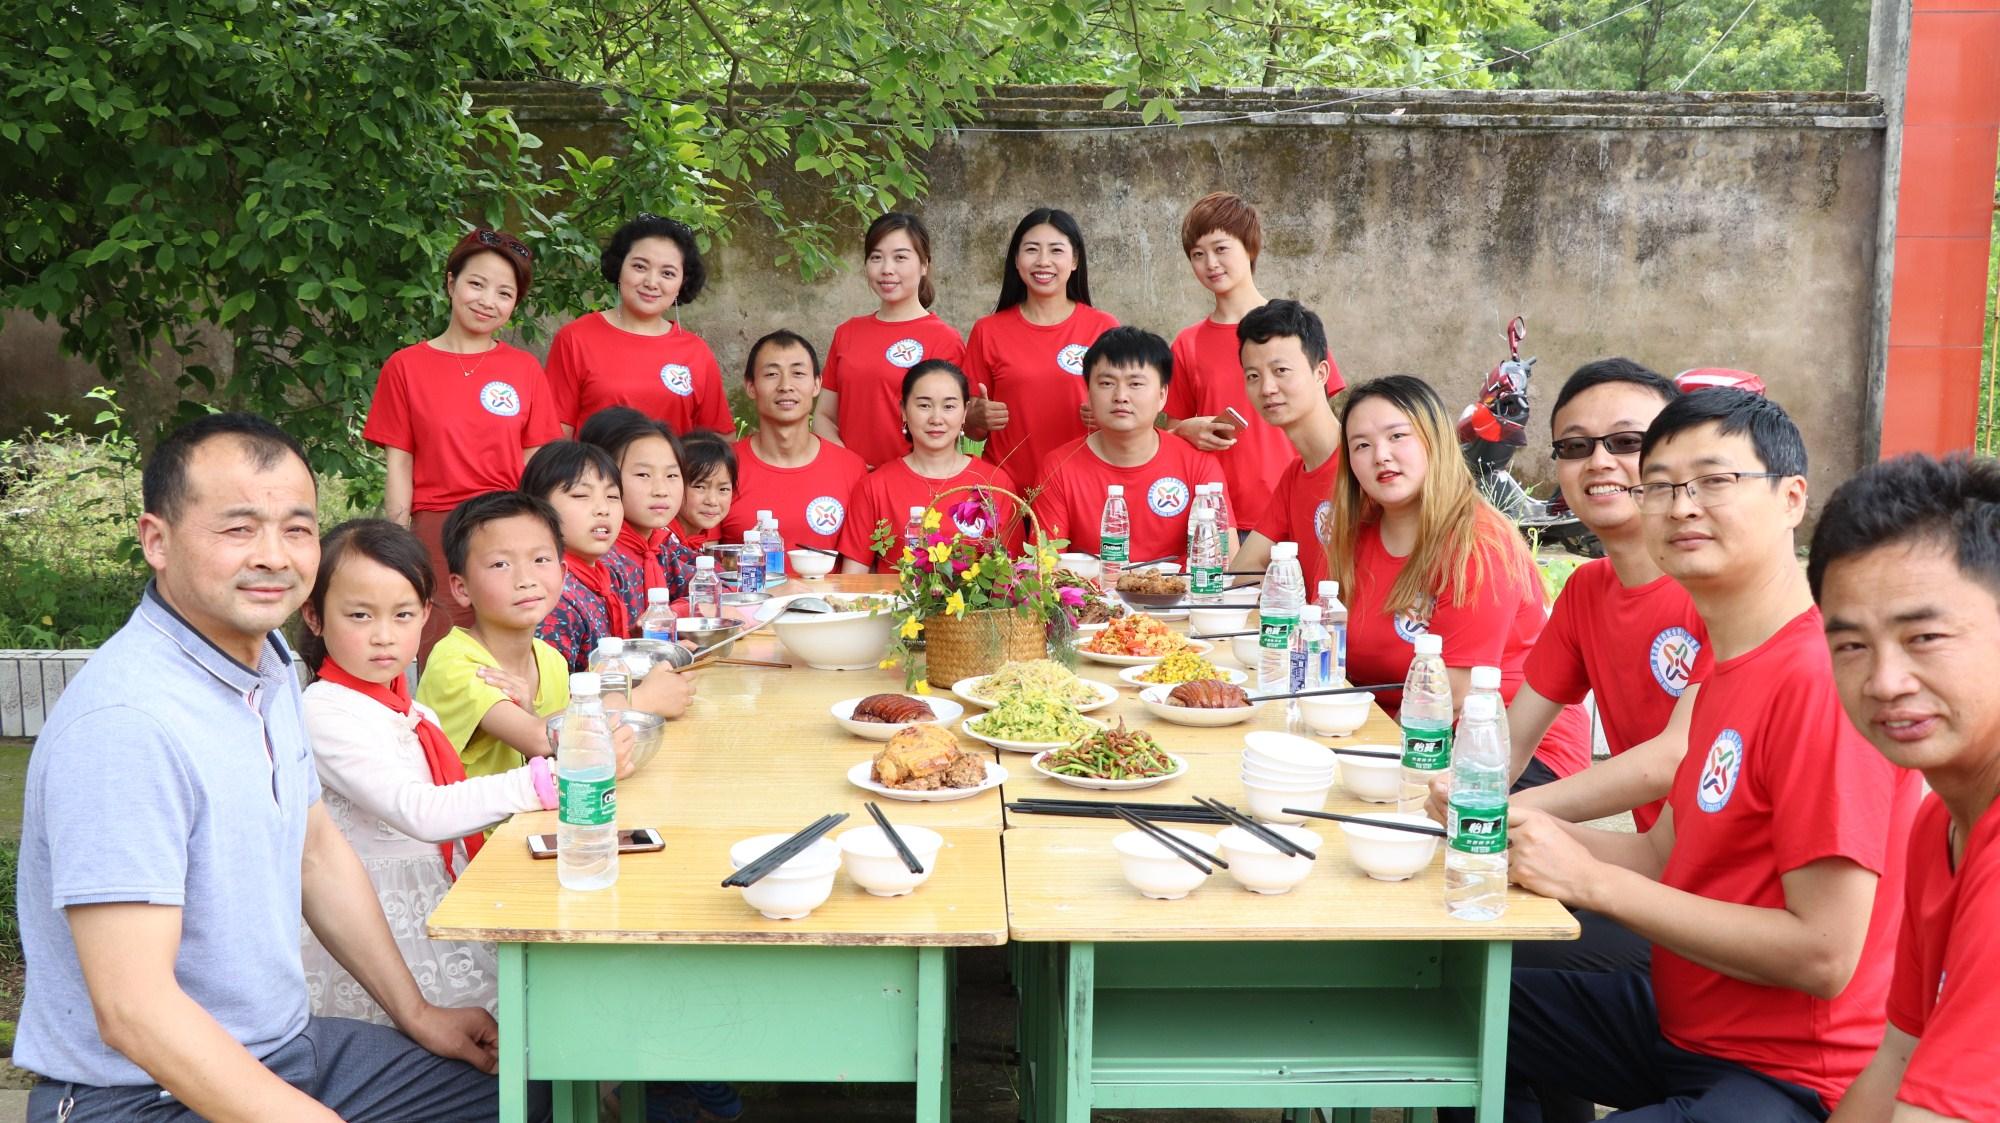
<point x="1070" y="358"/>
<point x="825" y="514"/>
<point x="677" y="378"/>
<point x="1408" y="627"/>
<point x="500" y="399"/>
<point x="904" y="353"/>
<point x="1672" y="659"/>
<point x="1167" y="497"/>
<point x="1323" y="520"/>
<point x="1719" y="772"/>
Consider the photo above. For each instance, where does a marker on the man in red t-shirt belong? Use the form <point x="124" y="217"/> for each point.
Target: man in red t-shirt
<point x="1770" y="887"/>
<point x="1287" y="375"/>
<point x="1127" y="372"/>
<point x="805" y="482"/>
<point x="1905" y="567"/>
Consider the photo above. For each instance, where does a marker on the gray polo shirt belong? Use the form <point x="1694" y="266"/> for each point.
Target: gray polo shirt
<point x="169" y="774"/>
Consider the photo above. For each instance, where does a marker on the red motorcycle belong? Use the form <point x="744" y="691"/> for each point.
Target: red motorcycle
<point x="1492" y="430"/>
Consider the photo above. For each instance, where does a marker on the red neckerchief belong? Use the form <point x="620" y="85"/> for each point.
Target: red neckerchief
<point x="645" y="551"/>
<point x="439" y="754"/>
<point x="593" y="576"/>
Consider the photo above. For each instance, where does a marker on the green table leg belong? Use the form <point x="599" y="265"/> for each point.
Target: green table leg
<point x="632" y="1102"/>
<point x="1079" y="1013"/>
<point x="933" y="1030"/>
<point x="513" y="1023"/>
<point x="576" y="1101"/>
<point x="1493" y="1003"/>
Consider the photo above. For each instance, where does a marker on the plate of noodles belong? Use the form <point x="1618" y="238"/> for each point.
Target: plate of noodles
<point x="1035" y="676"/>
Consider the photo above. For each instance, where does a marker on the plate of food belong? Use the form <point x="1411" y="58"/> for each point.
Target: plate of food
<point x="924" y="764"/>
<point x="1152" y="588"/>
<point x="1206" y="703"/>
<point x="1093" y="610"/>
<point x="878" y="716"/>
<point x="1035" y="677"/>
<point x="1030" y="724"/>
<point x="1180" y="667"/>
<point x="1137" y="640"/>
<point x="1111" y="760"/>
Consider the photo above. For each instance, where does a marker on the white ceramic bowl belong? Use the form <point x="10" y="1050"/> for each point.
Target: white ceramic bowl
<point x="1258" y="866"/>
<point x="873" y="863"/>
<point x="808" y="563"/>
<point x="947" y="711"/>
<point x="1286" y="752"/>
<point x="1370" y="779"/>
<point x="1154" y="698"/>
<point x="1085" y="566"/>
<point x="1246" y="651"/>
<point x="1336" y="715"/>
<point x="1390" y="855"/>
<point x="1156" y="871"/>
<point x="838" y="641"/>
<point x="1288" y="781"/>
<point x="794" y="889"/>
<point x="1281" y="770"/>
<point x="1267" y="803"/>
<point x="1208" y="621"/>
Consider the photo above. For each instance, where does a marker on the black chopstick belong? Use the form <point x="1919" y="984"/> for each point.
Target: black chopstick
<point x="1270" y="837"/>
<point x="1203" y="818"/>
<point x="1372" y="754"/>
<point x="1414" y="828"/>
<point x="818" y="550"/>
<point x="1327" y="691"/>
<point x="1178" y="847"/>
<point x="759" y="867"/>
<point x="1149" y="561"/>
<point x="902" y="848"/>
<point x="1142" y="808"/>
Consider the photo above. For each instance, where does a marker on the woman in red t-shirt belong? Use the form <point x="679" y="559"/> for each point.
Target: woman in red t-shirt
<point x="860" y="403"/>
<point x="934" y="393"/>
<point x="633" y="354"/>
<point x="1025" y="361"/>
<point x="1416" y="549"/>
<point x="460" y="414"/>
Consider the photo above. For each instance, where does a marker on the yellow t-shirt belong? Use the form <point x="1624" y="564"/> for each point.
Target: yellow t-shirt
<point x="451" y="686"/>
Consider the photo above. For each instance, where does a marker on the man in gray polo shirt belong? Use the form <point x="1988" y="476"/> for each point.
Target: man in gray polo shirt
<point x="173" y="836"/>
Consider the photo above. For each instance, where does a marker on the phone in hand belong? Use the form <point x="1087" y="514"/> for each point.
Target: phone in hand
<point x="1236" y="421"/>
<point x="642" y="840"/>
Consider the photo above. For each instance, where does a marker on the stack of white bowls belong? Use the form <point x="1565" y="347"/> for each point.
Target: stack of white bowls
<point x="1281" y="770"/>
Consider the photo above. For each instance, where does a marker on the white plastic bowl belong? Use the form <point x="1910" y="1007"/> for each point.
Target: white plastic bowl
<point x="1370" y="779"/>
<point x="808" y="563"/>
<point x="1085" y="566"/>
<point x="947" y="711"/>
<point x="1156" y="871"/>
<point x="1258" y="866"/>
<point x="1246" y="651"/>
<point x="839" y="641"/>
<point x="1208" y="621"/>
<point x="1336" y="715"/>
<point x="873" y="863"/>
<point x="794" y="889"/>
<point x="1386" y="854"/>
<point x="1267" y="803"/>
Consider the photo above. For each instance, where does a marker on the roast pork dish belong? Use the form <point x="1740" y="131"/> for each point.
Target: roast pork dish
<point x="925" y="758"/>
<point x="893" y="709"/>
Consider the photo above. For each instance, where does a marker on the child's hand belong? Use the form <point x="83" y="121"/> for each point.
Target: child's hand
<point x="514" y="687"/>
<point x="664" y="692"/>
<point x="623" y="740"/>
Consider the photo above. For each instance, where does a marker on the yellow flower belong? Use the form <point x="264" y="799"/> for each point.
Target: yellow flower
<point x="940" y="553"/>
<point x="909" y="555"/>
<point x="932" y="519"/>
<point x="923" y="687"/>
<point x="911" y="627"/>
<point x="955" y="604"/>
<point x="971" y="572"/>
<point x="886" y="664"/>
<point x="1047" y="561"/>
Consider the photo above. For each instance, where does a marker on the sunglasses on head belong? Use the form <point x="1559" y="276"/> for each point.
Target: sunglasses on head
<point x="1580" y="448"/>
<point x="505" y="242"/>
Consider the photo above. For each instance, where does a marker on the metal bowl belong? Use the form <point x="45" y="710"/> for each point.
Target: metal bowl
<point x="650" y="732"/>
<point x="661" y="651"/>
<point x="712" y="637"/>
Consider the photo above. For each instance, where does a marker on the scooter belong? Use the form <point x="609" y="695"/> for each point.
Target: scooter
<point x="1491" y="430"/>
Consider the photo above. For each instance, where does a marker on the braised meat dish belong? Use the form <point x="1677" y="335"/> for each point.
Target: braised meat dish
<point x="893" y="709"/>
<point x="1208" y="694"/>
<point x="925" y="758"/>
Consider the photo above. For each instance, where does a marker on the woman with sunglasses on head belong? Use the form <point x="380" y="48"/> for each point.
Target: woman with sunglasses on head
<point x="1025" y="361"/>
<point x="460" y="414"/>
<point x="859" y="404"/>
<point x="1417" y="550"/>
<point x="634" y="354"/>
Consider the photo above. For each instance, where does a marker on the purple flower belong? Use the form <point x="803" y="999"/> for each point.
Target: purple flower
<point x="1071" y="597"/>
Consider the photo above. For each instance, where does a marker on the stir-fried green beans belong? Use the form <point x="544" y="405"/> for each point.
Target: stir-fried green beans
<point x="1112" y="754"/>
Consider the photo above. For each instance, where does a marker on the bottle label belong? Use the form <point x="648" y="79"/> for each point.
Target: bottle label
<point x="587" y="803"/>
<point x="1116" y="551"/>
<point x="669" y="633"/>
<point x="1207" y="581"/>
<point x="1275" y="632"/>
<point x="1325" y="668"/>
<point x="1426" y="750"/>
<point x="774" y="565"/>
<point x="1300" y="660"/>
<point x="1478" y="830"/>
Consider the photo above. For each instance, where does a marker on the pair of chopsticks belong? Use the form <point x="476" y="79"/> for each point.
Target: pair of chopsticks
<point x="1270" y="837"/>
<point x="761" y="866"/>
<point x="1372" y="754"/>
<point x="1413" y="828"/>
<point x="1327" y="691"/>
<point x="1108" y="809"/>
<point x="1177" y="846"/>
<point x="902" y="848"/>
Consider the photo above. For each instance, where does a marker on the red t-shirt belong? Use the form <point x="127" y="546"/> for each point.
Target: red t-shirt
<point x="1301" y="510"/>
<point x="865" y="365"/>
<point x="1495" y="627"/>
<point x="1947" y="981"/>
<point x="1776" y="778"/>
<point x="891" y="490"/>
<point x="594" y="363"/>
<point x="810" y="503"/>
<point x="1208" y="378"/>
<point x="1158" y="496"/>
<point x="1638" y="648"/>
<point x="479" y="413"/>
<point x="1037" y="373"/>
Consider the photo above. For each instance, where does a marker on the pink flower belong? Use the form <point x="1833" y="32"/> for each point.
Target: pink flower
<point x="1072" y="598"/>
<point x="960" y="565"/>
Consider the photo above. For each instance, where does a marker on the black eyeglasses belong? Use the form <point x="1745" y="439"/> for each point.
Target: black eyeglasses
<point x="1711" y="490"/>
<point x="506" y="242"/>
<point x="1580" y="448"/>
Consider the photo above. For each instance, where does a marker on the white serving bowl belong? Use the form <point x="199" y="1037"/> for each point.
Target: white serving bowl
<point x="1085" y="566"/>
<point x="947" y="711"/>
<point x="1288" y="781"/>
<point x="1386" y="854"/>
<point x="794" y="889"/>
<point x="873" y="863"/>
<point x="1154" y="698"/>
<point x="1208" y="621"/>
<point x="808" y="563"/>
<point x="1156" y="871"/>
<point x="1258" y="866"/>
<point x="837" y="641"/>
<point x="1267" y="802"/>
<point x="1370" y="779"/>
<point x="1246" y="651"/>
<point x="1336" y="715"/>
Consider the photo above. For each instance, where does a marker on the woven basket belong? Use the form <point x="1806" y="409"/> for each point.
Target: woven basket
<point x="979" y="643"/>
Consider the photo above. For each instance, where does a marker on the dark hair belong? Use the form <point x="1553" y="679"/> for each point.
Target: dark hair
<point x="1126" y="346"/>
<point x="614" y="428"/>
<point x="1014" y="290"/>
<point x="1284" y="318"/>
<point x="920" y="239"/>
<point x="917" y="374"/>
<point x="1953" y="503"/>
<point x="1732" y="412"/>
<point x="693" y="273"/>
<point x="783" y="337"/>
<point x="378" y="540"/>
<point x="469" y="516"/>
<point x="1600" y="372"/>
<point x="560" y="465"/>
<point x="163" y="486"/>
<point x="1231" y="214"/>
<point x="512" y="250"/>
<point x="707" y="451"/>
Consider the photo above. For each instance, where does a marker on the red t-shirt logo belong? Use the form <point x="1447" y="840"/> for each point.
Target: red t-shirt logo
<point x="904" y="353"/>
<point x="1719" y="772"/>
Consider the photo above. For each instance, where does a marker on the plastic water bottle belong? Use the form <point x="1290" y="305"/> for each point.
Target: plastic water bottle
<point x="750" y="563"/>
<point x="1426" y="721"/>
<point x="1475" y="856"/>
<point x="705" y="589"/>
<point x="586" y="791"/>
<point x="1311" y="661"/>
<point x="608" y="662"/>
<point x="774" y="548"/>
<point x="1486" y="680"/>
<point x="1278" y="606"/>
<point x="1205" y="561"/>
<point x="659" y="622"/>
<point x="913" y="531"/>
<point x="1200" y="503"/>
<point x="1114" y="533"/>
<point x="1334" y="615"/>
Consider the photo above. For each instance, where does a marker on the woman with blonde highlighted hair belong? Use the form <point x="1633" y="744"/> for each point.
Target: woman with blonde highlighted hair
<point x="1417" y="549"/>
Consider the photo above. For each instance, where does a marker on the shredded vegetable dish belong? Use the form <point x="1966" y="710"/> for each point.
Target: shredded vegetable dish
<point x="1180" y="667"/>
<point x="1112" y="754"/>
<point x="1137" y="635"/>
<point x="1038" y="676"/>
<point x="1033" y="717"/>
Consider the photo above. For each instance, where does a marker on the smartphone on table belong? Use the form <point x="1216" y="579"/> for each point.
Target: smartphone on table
<point x="642" y="840"/>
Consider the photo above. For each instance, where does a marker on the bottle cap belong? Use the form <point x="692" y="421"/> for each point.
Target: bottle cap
<point x="1284" y="551"/>
<point x="765" y="517"/>
<point x="1428" y="644"/>
<point x="659" y="596"/>
<point x="1309" y="614"/>
<point x="583" y="683"/>
<point x="612" y="645"/>
<point x="1116" y="489"/>
<point x="916" y="512"/>
<point x="752" y="538"/>
<point x="1485" y="678"/>
<point x="704" y="562"/>
<point x="1329" y="590"/>
<point x="1482" y="707"/>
